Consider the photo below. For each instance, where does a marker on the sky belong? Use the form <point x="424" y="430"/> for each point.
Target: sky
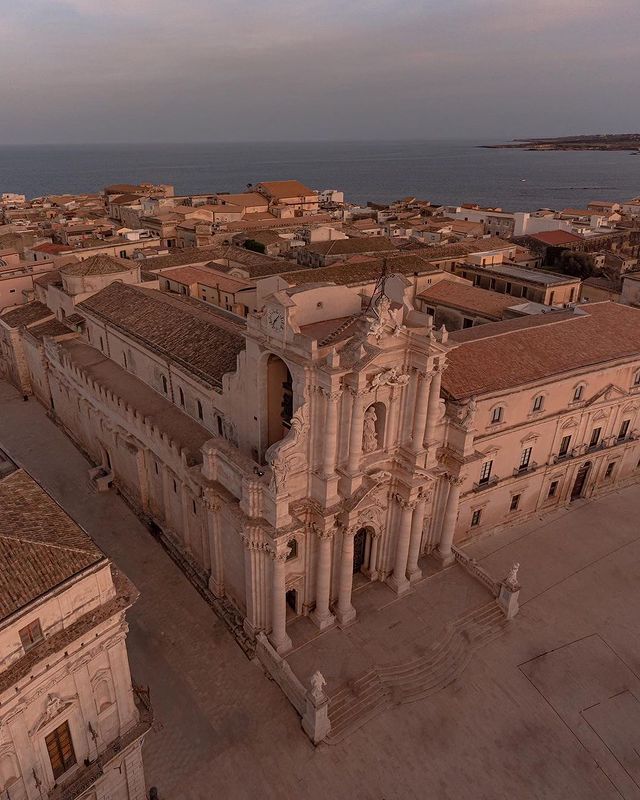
<point x="89" y="71"/>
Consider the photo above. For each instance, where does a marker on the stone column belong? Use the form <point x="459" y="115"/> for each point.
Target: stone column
<point x="330" y="433"/>
<point x="414" y="573"/>
<point x="355" y="434"/>
<point x="373" y="557"/>
<point x="434" y="404"/>
<point x="444" y="552"/>
<point x="420" y="414"/>
<point x="345" y="612"/>
<point x="216" y="579"/>
<point x="322" y="616"/>
<point x="398" y="580"/>
<point x="278" y="636"/>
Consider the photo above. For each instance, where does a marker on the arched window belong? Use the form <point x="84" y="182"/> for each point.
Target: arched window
<point x="279" y="400"/>
<point x="497" y="415"/>
<point x="538" y="403"/>
<point x="292" y="544"/>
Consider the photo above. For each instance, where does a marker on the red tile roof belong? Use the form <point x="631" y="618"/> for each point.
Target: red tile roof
<point x="604" y="332"/>
<point x="556" y="238"/>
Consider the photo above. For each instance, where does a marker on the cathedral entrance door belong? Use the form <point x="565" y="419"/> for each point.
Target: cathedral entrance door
<point x="581" y="479"/>
<point x="359" y="547"/>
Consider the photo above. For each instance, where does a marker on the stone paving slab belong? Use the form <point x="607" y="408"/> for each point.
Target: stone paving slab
<point x="224" y="731"/>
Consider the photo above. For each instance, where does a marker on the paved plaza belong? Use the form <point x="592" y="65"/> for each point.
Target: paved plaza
<point x="548" y="709"/>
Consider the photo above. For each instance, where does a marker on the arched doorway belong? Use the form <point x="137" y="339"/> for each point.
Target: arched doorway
<point x="279" y="400"/>
<point x="359" y="549"/>
<point x="580" y="481"/>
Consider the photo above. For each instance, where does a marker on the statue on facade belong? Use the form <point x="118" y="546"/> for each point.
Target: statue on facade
<point x="317" y="686"/>
<point x="369" y="434"/>
<point x="389" y="377"/>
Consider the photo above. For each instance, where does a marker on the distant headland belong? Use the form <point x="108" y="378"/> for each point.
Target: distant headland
<point x="603" y="141"/>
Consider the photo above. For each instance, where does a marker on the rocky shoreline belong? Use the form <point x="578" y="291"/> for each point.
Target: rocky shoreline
<point x="630" y="141"/>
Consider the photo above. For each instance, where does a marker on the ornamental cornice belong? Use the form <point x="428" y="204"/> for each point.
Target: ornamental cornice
<point x="455" y="480"/>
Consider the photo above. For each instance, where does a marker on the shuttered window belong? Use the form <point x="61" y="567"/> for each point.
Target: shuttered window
<point x="60" y="749"/>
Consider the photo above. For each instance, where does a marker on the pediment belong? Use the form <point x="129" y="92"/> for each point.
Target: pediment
<point x="607" y="394"/>
<point x="572" y="422"/>
<point x="54" y="707"/>
<point x="530" y="438"/>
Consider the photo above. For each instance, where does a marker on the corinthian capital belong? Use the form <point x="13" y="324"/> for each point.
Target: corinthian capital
<point x="404" y="503"/>
<point x="455" y="480"/>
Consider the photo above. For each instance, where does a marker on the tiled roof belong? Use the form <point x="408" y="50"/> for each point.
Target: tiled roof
<point x="52" y="327"/>
<point x="468" y="298"/>
<point x="555" y="238"/>
<point x="362" y="271"/>
<point x="509" y="356"/>
<point x="40" y="545"/>
<point x="207" y="277"/>
<point x="27" y="314"/>
<point x="185" y="331"/>
<point x="360" y="244"/>
<point x="99" y="265"/>
<point x="47" y="278"/>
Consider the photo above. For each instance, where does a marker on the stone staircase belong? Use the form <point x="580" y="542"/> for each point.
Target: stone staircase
<point x="382" y="687"/>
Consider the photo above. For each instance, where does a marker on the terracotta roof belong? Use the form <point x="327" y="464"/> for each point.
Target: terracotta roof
<point x="40" y="545"/>
<point x="510" y="357"/>
<point x="52" y="248"/>
<point x="47" y="278"/>
<point x="244" y="199"/>
<point x="27" y="314"/>
<point x="361" y="270"/>
<point x="468" y="298"/>
<point x="190" y="276"/>
<point x="52" y="327"/>
<point x="99" y="265"/>
<point x="286" y="189"/>
<point x="185" y="331"/>
<point x="359" y="244"/>
<point x="556" y="238"/>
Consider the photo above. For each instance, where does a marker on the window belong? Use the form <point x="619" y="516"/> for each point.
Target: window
<point x="538" y="403"/>
<point x="124" y="360"/>
<point x="155" y="464"/>
<point x="200" y="413"/>
<point x="624" y="430"/>
<point x="123" y="254"/>
<point x="485" y="472"/>
<point x="220" y="426"/>
<point x="496" y="415"/>
<point x="609" y="471"/>
<point x="193" y="507"/>
<point x="553" y="489"/>
<point x="181" y="396"/>
<point x="525" y="459"/>
<point x="508" y="288"/>
<point x="292" y="544"/>
<point x="31" y="634"/>
<point x="572" y="295"/>
<point x="475" y="517"/>
<point x="636" y="379"/>
<point x="467" y="323"/>
<point x="175" y="486"/>
<point x="551" y="298"/>
<point x="577" y="393"/>
<point x="60" y="749"/>
<point x="595" y="437"/>
<point x="165" y="386"/>
<point x="515" y="502"/>
<point x="564" y="446"/>
<point x="101" y="344"/>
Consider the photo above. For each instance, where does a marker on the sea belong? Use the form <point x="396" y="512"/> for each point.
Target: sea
<point x="440" y="171"/>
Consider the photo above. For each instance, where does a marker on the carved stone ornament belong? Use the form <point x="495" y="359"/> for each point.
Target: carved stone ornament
<point x="54" y="706"/>
<point x="512" y="578"/>
<point x="369" y="433"/>
<point x="380" y="475"/>
<point x="455" y="480"/>
<point x="390" y="377"/>
<point x="464" y="414"/>
<point x="288" y="454"/>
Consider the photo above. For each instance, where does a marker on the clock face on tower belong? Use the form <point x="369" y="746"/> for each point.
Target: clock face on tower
<point x="275" y="320"/>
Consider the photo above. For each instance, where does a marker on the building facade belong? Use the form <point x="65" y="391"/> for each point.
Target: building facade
<point x="70" y="724"/>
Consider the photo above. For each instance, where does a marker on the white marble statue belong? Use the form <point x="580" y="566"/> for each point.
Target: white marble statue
<point x="512" y="578"/>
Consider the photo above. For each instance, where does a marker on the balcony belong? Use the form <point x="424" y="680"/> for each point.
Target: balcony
<point x="525" y="470"/>
<point x="586" y="449"/>
<point x="84" y="778"/>
<point x="488" y="484"/>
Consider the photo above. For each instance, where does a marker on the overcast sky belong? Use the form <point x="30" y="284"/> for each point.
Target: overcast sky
<point x="224" y="70"/>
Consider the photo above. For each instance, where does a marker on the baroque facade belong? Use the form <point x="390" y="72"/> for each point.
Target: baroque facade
<point x="319" y="440"/>
<point x="69" y="725"/>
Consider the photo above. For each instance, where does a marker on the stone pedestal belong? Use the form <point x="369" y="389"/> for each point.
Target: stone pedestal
<point x="315" y="720"/>
<point x="508" y="599"/>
